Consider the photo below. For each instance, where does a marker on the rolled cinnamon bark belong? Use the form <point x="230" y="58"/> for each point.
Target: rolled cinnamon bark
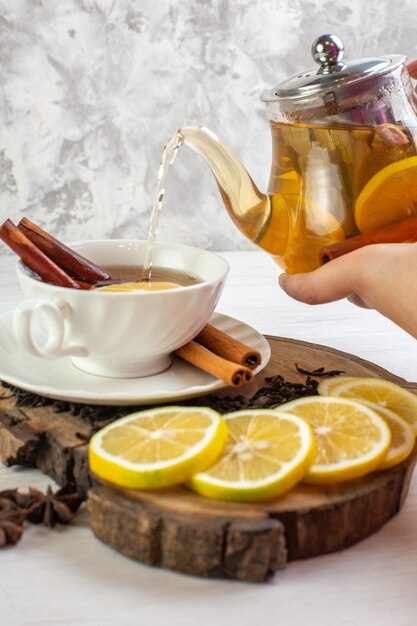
<point x="34" y="258"/>
<point x="228" y="347"/>
<point x="74" y="264"/>
<point x="402" y="232"/>
<point x="232" y="373"/>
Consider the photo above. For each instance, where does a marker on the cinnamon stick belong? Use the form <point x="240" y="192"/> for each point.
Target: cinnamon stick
<point x="232" y="373"/>
<point x="401" y="232"/>
<point x="34" y="258"/>
<point x="228" y="347"/>
<point x="77" y="266"/>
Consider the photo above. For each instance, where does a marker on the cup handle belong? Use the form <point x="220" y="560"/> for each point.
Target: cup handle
<point x="56" y="314"/>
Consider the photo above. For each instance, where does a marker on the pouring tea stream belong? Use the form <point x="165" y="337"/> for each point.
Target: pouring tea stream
<point x="337" y="131"/>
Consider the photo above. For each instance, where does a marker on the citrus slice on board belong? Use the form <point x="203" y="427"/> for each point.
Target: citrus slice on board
<point x="266" y="454"/>
<point x="388" y="196"/>
<point x="328" y="384"/>
<point x="381" y="392"/>
<point x="351" y="439"/>
<point x="402" y="437"/>
<point x="158" y="447"/>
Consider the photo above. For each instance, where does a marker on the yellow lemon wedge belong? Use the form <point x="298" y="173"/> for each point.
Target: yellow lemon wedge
<point x="139" y="286"/>
<point x="382" y="392"/>
<point x="157" y="447"/>
<point x="388" y="197"/>
<point x="266" y="454"/>
<point x="402" y="437"/>
<point x="351" y="439"/>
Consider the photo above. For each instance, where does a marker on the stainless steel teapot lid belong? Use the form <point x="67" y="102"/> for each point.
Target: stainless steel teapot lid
<point x="333" y="72"/>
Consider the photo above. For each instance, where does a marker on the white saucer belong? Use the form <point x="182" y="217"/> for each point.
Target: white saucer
<point x="59" y="379"/>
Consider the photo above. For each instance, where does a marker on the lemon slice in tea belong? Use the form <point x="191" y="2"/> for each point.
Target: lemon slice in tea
<point x="351" y="439"/>
<point x="388" y="197"/>
<point x="157" y="447"/>
<point x="138" y="286"/>
<point x="266" y="454"/>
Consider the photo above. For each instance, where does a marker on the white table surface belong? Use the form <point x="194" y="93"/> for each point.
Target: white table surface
<point x="66" y="576"/>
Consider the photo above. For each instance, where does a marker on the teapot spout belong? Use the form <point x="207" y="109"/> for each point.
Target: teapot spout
<point x="249" y="208"/>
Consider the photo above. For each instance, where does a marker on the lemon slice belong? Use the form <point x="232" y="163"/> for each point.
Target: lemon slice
<point x="402" y="437"/>
<point x="327" y="385"/>
<point x="139" y="286"/>
<point x="351" y="439"/>
<point x="388" y="196"/>
<point x="384" y="393"/>
<point x="266" y="454"/>
<point x="157" y="447"/>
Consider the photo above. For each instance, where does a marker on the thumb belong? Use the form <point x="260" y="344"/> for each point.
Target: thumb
<point x="331" y="282"/>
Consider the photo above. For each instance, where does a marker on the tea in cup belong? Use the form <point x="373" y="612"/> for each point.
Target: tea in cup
<point x="115" y="331"/>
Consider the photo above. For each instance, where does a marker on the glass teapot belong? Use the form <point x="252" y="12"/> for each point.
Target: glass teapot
<point x="344" y="161"/>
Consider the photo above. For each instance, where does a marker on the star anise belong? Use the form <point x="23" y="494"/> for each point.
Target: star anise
<point x="49" y="508"/>
<point x="9" y="494"/>
<point x="11" y="522"/>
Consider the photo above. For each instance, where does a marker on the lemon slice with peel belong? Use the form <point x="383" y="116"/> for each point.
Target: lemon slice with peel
<point x="351" y="439"/>
<point x="402" y="437"/>
<point x="327" y="385"/>
<point x="157" y="447"/>
<point x="266" y="453"/>
<point x="384" y="393"/>
<point x="388" y="196"/>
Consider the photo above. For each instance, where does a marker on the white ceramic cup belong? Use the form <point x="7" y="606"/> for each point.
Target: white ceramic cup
<point x="120" y="334"/>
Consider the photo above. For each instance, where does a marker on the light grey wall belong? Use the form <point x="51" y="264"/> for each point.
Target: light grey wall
<point x="90" y="90"/>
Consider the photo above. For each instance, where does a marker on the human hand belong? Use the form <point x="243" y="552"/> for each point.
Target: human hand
<point x="382" y="277"/>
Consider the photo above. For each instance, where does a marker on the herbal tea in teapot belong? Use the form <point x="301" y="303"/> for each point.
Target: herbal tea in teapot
<point x="335" y="183"/>
<point x="344" y="162"/>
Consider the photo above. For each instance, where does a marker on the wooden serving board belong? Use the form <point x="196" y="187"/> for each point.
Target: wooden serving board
<point x="180" y="530"/>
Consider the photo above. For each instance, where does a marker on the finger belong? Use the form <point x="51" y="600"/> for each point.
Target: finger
<point x="412" y="68"/>
<point x="358" y="301"/>
<point x="333" y="281"/>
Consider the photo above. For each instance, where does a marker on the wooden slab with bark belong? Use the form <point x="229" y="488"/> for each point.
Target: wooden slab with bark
<point x="180" y="530"/>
